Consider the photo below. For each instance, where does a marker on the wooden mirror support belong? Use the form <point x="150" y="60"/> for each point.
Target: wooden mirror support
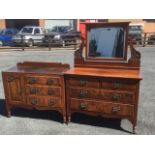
<point x="130" y="62"/>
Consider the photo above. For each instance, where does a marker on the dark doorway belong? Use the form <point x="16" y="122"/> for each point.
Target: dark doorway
<point x="19" y="23"/>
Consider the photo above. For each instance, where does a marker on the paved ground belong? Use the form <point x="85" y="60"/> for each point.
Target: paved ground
<point x="48" y="122"/>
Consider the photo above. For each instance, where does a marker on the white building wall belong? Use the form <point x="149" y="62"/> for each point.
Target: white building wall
<point x="50" y="23"/>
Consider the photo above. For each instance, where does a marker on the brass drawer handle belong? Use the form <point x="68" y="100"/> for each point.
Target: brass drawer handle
<point x="117" y="85"/>
<point x="116" y="97"/>
<point x="34" y="101"/>
<point x="50" y="91"/>
<point x="51" y="102"/>
<point x="83" y="82"/>
<point x="116" y="109"/>
<point x="50" y="81"/>
<point x="83" y="105"/>
<point x="83" y="93"/>
<point x="32" y="80"/>
<point x="33" y="90"/>
<point x="11" y="78"/>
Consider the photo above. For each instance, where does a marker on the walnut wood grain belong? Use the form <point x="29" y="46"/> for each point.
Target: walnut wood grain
<point x="35" y="85"/>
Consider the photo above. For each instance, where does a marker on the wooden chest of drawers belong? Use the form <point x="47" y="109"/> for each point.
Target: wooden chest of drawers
<point x="106" y="94"/>
<point x="36" y="85"/>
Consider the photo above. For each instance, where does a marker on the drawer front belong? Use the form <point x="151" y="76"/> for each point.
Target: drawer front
<point x="118" y="96"/>
<point x="118" y="84"/>
<point x="102" y="107"/>
<point x="118" y="109"/>
<point x="44" y="101"/>
<point x="43" y="80"/>
<point x="49" y="91"/>
<point x="110" y="96"/>
<point x="85" y="93"/>
<point x="84" y="83"/>
<point x="85" y="105"/>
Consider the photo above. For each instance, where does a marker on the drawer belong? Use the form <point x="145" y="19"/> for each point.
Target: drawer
<point x="102" y="107"/>
<point x="118" y="96"/>
<point x="44" y="90"/>
<point x="105" y="95"/>
<point x="118" y="84"/>
<point x="84" y="83"/>
<point x="85" y="93"/>
<point x="86" y="105"/>
<point x="44" y="101"/>
<point x="42" y="80"/>
<point x="118" y="109"/>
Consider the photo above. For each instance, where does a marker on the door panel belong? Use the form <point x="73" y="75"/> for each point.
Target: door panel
<point x="14" y="88"/>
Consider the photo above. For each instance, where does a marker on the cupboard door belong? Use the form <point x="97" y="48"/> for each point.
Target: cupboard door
<point x="14" y="88"/>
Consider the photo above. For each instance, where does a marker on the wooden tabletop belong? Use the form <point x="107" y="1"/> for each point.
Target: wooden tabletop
<point x="100" y="72"/>
<point x="39" y="70"/>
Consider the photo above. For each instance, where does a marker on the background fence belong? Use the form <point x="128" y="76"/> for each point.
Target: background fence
<point x="48" y="44"/>
<point x="145" y="39"/>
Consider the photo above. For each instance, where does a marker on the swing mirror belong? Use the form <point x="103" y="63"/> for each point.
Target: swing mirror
<point x="106" y="41"/>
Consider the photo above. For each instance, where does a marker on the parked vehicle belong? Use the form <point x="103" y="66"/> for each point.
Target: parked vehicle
<point x="61" y="35"/>
<point x="135" y="32"/>
<point x="151" y="39"/>
<point x="29" y="35"/>
<point x="6" y="36"/>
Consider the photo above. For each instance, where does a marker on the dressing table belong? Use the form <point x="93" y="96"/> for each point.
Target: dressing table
<point x="106" y="78"/>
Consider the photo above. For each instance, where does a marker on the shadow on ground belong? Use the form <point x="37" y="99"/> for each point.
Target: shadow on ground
<point x="56" y="116"/>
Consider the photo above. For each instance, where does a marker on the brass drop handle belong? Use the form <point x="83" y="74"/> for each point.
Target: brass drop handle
<point x="83" y="105"/>
<point x="116" y="97"/>
<point x="116" y="109"/>
<point x="83" y="93"/>
<point x="51" y="102"/>
<point x="32" y="80"/>
<point x="83" y="82"/>
<point x="50" y="81"/>
<point x="34" y="101"/>
<point x="33" y="90"/>
<point x="11" y="78"/>
<point x="50" y="91"/>
<point x="117" y="85"/>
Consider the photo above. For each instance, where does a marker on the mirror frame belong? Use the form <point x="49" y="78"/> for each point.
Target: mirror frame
<point x="124" y="25"/>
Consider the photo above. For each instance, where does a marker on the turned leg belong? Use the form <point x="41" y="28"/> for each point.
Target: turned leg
<point x="8" y="111"/>
<point x="64" y="119"/>
<point x="69" y="119"/>
<point x="134" y="129"/>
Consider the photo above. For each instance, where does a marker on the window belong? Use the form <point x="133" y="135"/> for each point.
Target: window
<point x="8" y="32"/>
<point x="27" y="30"/>
<point x="36" y="31"/>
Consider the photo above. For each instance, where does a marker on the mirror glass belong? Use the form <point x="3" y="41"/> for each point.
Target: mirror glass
<point x="106" y="42"/>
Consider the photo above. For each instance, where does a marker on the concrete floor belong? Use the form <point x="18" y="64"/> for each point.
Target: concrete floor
<point x="49" y="122"/>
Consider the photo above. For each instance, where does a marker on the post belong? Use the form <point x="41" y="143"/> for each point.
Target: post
<point x="22" y="40"/>
<point x="75" y="42"/>
<point x="144" y="41"/>
<point x="49" y="43"/>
